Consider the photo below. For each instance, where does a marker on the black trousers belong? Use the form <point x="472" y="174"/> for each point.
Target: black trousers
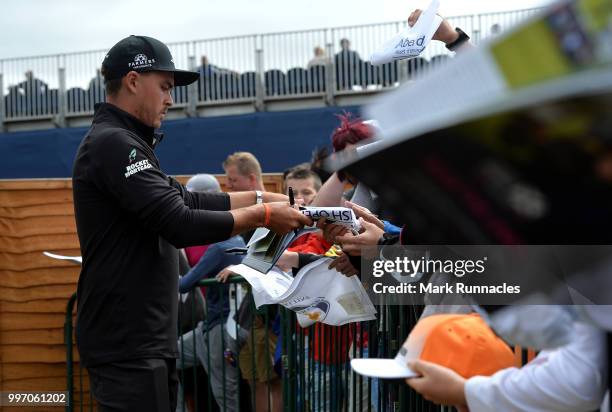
<point x="135" y="385"/>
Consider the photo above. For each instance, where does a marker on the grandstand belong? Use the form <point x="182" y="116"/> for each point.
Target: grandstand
<point x="246" y="74"/>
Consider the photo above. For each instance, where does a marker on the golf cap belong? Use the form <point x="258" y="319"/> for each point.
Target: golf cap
<point x="143" y="54"/>
<point x="463" y="343"/>
<point x="203" y="183"/>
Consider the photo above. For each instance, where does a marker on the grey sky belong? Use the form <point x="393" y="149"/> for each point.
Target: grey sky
<point x="34" y="27"/>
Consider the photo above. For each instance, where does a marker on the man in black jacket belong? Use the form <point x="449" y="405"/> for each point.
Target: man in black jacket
<point x="131" y="218"/>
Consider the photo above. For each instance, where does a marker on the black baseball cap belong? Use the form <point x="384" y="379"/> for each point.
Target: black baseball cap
<point x="143" y="54"/>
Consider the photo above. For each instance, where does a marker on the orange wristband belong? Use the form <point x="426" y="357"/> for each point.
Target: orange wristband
<point x="268" y="213"/>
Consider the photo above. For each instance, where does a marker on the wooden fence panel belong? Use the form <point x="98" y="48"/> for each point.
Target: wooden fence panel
<point x="36" y="216"/>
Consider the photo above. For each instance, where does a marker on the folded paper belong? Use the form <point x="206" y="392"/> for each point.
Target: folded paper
<point x="411" y="41"/>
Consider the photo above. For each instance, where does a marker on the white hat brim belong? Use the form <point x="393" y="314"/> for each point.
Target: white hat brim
<point x="382" y="368"/>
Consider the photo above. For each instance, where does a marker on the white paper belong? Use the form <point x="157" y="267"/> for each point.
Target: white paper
<point x="75" y="259"/>
<point x="411" y="41"/>
<point x="316" y="294"/>
<point x="338" y="215"/>
<point x="272" y="285"/>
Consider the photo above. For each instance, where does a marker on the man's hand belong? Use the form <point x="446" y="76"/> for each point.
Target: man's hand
<point x="363" y="212"/>
<point x="445" y="32"/>
<point x="284" y="218"/>
<point x="369" y="236"/>
<point x="331" y="231"/>
<point x="224" y="275"/>
<point x="438" y="384"/>
<point x="343" y="265"/>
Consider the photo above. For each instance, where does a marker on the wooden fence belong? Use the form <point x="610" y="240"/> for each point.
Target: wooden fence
<point x="38" y="215"/>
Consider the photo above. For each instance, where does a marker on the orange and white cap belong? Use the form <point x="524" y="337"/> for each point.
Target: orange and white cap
<point x="463" y="343"/>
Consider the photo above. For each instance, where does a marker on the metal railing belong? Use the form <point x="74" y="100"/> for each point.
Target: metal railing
<point x="238" y="69"/>
<point x="313" y="365"/>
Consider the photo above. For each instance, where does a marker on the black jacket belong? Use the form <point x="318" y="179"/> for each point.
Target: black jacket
<point x="131" y="218"/>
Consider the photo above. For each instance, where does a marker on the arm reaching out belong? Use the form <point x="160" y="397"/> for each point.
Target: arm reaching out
<point x="203" y="269"/>
<point x="445" y="33"/>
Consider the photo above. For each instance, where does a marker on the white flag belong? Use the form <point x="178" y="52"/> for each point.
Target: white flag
<point x="411" y="41"/>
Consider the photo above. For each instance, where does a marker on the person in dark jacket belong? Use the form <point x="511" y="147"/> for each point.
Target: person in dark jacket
<point x="131" y="218"/>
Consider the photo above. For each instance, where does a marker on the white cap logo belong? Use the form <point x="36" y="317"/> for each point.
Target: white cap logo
<point x="141" y="61"/>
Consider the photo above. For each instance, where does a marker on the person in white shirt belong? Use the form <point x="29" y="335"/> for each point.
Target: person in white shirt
<point x="571" y="378"/>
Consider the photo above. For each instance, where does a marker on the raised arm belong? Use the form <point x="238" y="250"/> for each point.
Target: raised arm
<point x="208" y="265"/>
<point x="445" y="33"/>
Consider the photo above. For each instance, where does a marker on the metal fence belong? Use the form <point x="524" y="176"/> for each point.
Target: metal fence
<point x="305" y="369"/>
<point x="236" y="69"/>
<point x="308" y="369"/>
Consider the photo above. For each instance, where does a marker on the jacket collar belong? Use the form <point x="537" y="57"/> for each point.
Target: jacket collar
<point x="107" y="112"/>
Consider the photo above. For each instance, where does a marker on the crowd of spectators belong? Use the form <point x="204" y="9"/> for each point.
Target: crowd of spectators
<point x="33" y="97"/>
<point x="568" y="374"/>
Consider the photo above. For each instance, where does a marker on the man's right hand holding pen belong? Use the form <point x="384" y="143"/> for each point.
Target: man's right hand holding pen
<point x="281" y="217"/>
